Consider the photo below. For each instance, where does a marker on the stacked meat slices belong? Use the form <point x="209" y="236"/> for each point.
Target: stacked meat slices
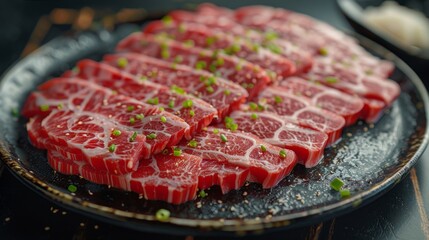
<point x="205" y="98"/>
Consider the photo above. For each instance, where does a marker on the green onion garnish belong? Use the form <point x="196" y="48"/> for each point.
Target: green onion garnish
<point x="238" y="67"/>
<point x="162" y="215"/>
<point x="331" y="79"/>
<point x="215" y="131"/>
<point x="112" y="148"/>
<point x="151" y="136"/>
<point x="202" y="194"/>
<point x="133" y="137"/>
<point x="187" y="103"/>
<point x="274" y="48"/>
<point x="189" y="43"/>
<point x="210" y="40"/>
<point x="200" y="65"/>
<point x="278" y="99"/>
<point x="263" y="148"/>
<point x="323" y="51"/>
<point x="165" y="53"/>
<point x="282" y="153"/>
<point x="122" y="62"/>
<point x="130" y="108"/>
<point x="177" y="90"/>
<point x="210" y="81"/>
<point x="153" y="101"/>
<point x="163" y="119"/>
<point x="223" y="138"/>
<point x="227" y="92"/>
<point x="337" y="184"/>
<point x="72" y="188"/>
<point x="253" y="106"/>
<point x="178" y="59"/>
<point x="269" y="36"/>
<point x="44" y="108"/>
<point x="220" y="61"/>
<point x="161" y="109"/>
<point x="209" y="89"/>
<point x="139" y="116"/>
<point x="193" y="143"/>
<point x="254" y="116"/>
<point x="171" y="104"/>
<point x="116" y="133"/>
<point x="345" y="193"/>
<point x="191" y="113"/>
<point x="132" y="120"/>
<point x="14" y="112"/>
<point x="167" y="20"/>
<point x="177" y="152"/>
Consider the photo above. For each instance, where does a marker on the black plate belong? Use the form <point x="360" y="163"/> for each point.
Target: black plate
<point x="370" y="159"/>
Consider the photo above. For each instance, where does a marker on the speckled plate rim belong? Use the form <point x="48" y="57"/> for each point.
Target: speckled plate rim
<point x="237" y="226"/>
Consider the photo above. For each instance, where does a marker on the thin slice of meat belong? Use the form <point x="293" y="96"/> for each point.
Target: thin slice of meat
<point x="163" y="177"/>
<point x="311" y="34"/>
<point x="226" y="175"/>
<point x="90" y="137"/>
<point x="308" y="144"/>
<point x="223" y="95"/>
<point x="302" y="112"/>
<point x="164" y="129"/>
<point x="198" y="116"/>
<point x="348" y="106"/>
<point x="203" y="37"/>
<point x="222" y="23"/>
<point x="265" y="167"/>
<point x="354" y="82"/>
<point x="237" y="70"/>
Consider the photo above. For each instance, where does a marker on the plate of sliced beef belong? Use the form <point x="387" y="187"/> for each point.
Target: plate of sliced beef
<point x="213" y="121"/>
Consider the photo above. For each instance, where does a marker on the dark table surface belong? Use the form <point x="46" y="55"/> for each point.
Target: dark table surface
<point x="399" y="214"/>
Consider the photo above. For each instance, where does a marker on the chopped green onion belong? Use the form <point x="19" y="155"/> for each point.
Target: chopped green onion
<point x="274" y="48"/>
<point x="238" y="67"/>
<point x="200" y="65"/>
<point x="139" y="116"/>
<point x="212" y="68"/>
<point x="345" y="193"/>
<point x="193" y="143"/>
<point x="323" y="51"/>
<point x="182" y="28"/>
<point x="337" y="184"/>
<point x="167" y="20"/>
<point x="269" y="36"/>
<point x="253" y="106"/>
<point x="132" y="120"/>
<point x="178" y="59"/>
<point x="191" y="113"/>
<point x="14" y="112"/>
<point x="331" y="79"/>
<point x="229" y="120"/>
<point x="116" y="133"/>
<point x="189" y="43"/>
<point x="130" y="108"/>
<point x="161" y="109"/>
<point x="153" y="101"/>
<point x="178" y="90"/>
<point x="215" y="131"/>
<point x="234" y="48"/>
<point x="210" y="40"/>
<point x="143" y="78"/>
<point x="254" y="116"/>
<point x="177" y="152"/>
<point x="163" y="119"/>
<point x="223" y="138"/>
<point x="171" y="104"/>
<point x="278" y="99"/>
<point x="202" y="194"/>
<point x="255" y="48"/>
<point x="187" y="103"/>
<point x="210" y="81"/>
<point x="44" y="108"/>
<point x="75" y="70"/>
<point x="220" y="61"/>
<point x="231" y="126"/>
<point x="122" y="62"/>
<point x="112" y="148"/>
<point x="282" y="153"/>
<point x="165" y="53"/>
<point x="162" y="215"/>
<point x="261" y="107"/>
<point x="151" y="136"/>
<point x="263" y="148"/>
<point x="227" y="92"/>
<point x="209" y="89"/>
<point x="72" y="188"/>
<point x="133" y="137"/>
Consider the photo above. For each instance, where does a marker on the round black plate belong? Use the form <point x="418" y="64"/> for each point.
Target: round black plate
<point x="370" y="159"/>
